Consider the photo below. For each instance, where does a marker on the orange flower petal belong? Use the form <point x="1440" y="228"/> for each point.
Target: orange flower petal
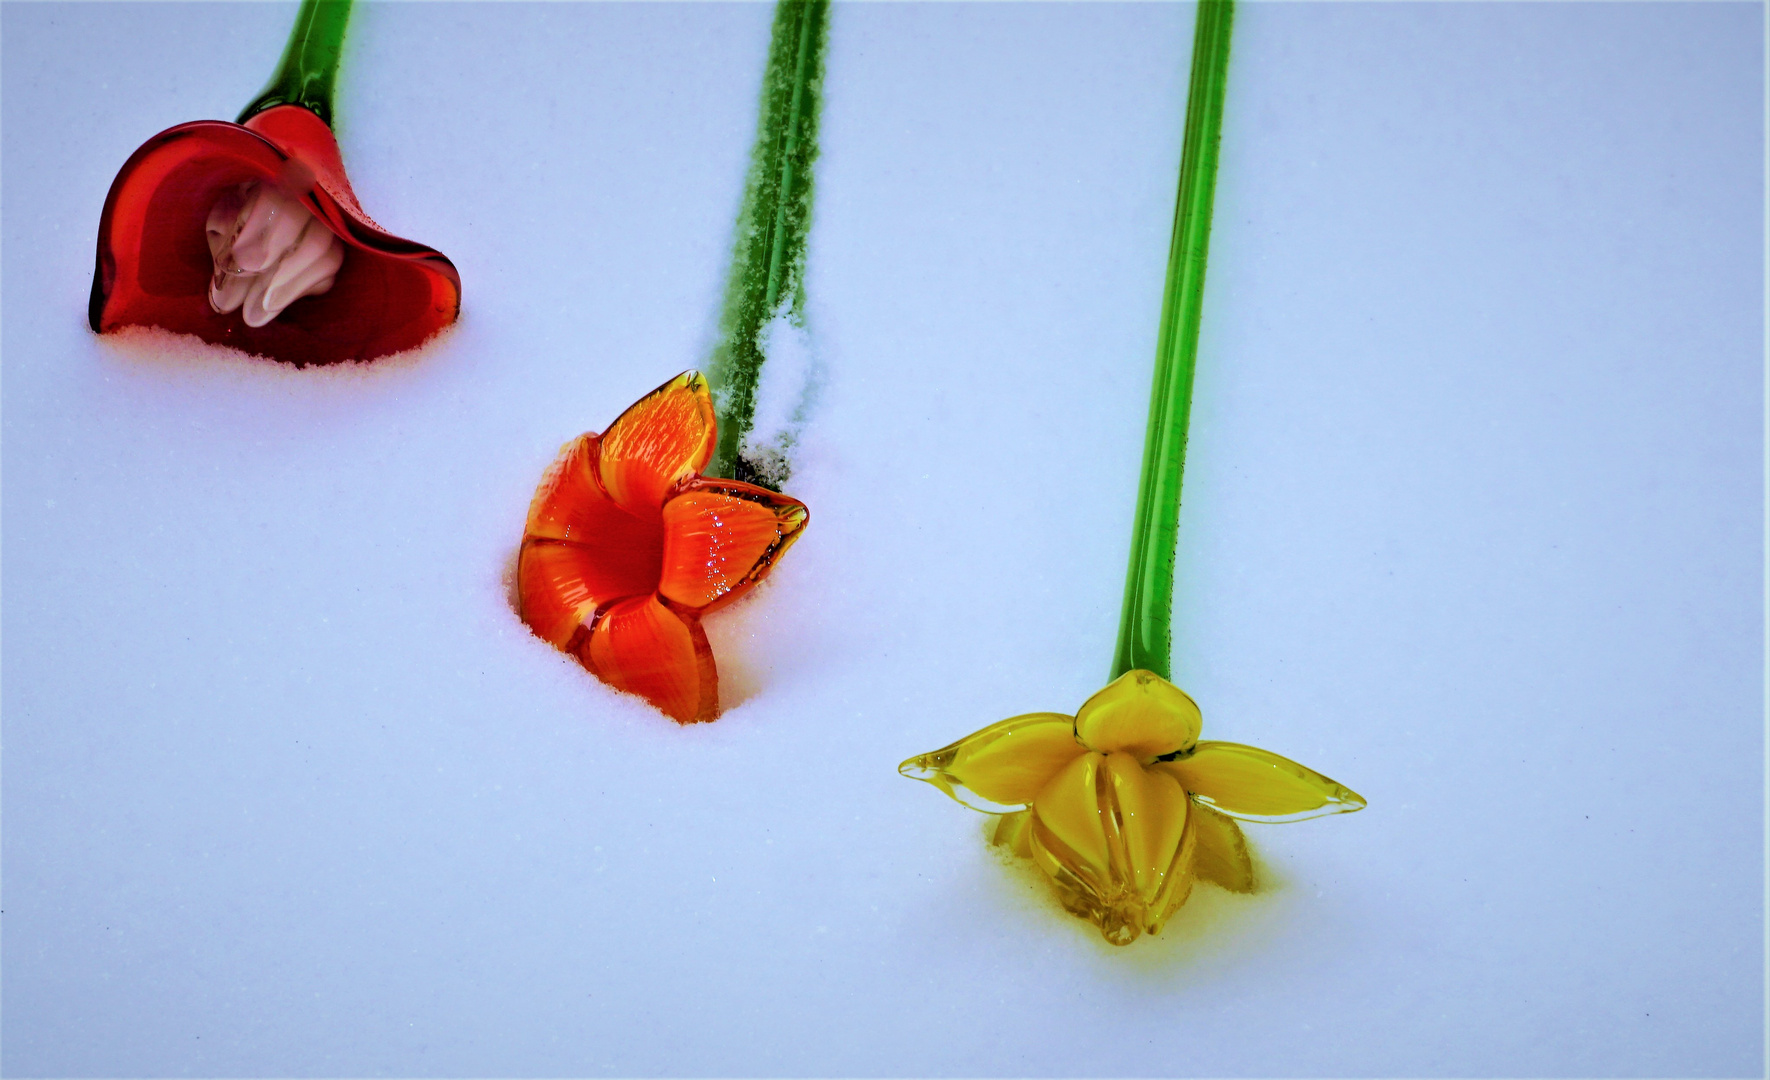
<point x="560" y="585"/>
<point x="721" y="537"/>
<point x="644" y="648"/>
<point x="580" y="551"/>
<point x="624" y="554"/>
<point x="567" y="493"/>
<point x="553" y="586"/>
<point x="664" y="436"/>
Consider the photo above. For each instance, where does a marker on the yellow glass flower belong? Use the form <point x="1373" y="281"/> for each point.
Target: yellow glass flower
<point x="1121" y="805"/>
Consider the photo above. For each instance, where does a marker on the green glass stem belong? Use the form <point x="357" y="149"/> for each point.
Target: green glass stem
<point x="1145" y="622"/>
<point x="309" y="66"/>
<point x="767" y="267"/>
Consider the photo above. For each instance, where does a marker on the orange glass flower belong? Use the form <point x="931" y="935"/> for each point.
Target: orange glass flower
<point x="627" y="545"/>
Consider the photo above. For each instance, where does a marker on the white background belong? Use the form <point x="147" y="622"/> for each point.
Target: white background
<point x="1473" y="524"/>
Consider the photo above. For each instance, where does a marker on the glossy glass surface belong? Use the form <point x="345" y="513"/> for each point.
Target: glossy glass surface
<point x="309" y="67"/>
<point x="154" y="266"/>
<point x="1120" y="805"/>
<point x="627" y="545"/>
<point x="1145" y="637"/>
<point x="269" y="252"/>
<point x="1257" y="785"/>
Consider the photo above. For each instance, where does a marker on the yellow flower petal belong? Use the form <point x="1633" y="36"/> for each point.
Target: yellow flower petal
<point x="1222" y="855"/>
<point x="1128" y="812"/>
<point x="1177" y="886"/>
<point x="1247" y="782"/>
<point x="1151" y="819"/>
<point x="1067" y="825"/>
<point x="1114" y="838"/>
<point x="1002" y="767"/>
<point x="1014" y="832"/>
<point x="1139" y="713"/>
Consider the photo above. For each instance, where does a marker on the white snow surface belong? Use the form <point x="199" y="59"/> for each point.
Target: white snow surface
<point x="1473" y="524"/>
<point x="786" y="394"/>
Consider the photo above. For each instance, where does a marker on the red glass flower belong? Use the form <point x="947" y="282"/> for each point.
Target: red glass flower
<point x="155" y="263"/>
<point x="627" y="545"/>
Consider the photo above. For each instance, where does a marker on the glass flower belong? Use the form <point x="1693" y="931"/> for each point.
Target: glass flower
<point x="249" y="235"/>
<point x="1121" y="805"/>
<point x="627" y="545"/>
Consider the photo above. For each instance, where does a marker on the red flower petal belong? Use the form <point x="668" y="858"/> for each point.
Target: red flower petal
<point x="154" y="264"/>
<point x="721" y="537"/>
<point x="641" y="646"/>
<point x="664" y="436"/>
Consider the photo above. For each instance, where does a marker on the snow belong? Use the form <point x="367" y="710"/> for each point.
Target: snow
<point x="786" y="394"/>
<point x="1473" y="524"/>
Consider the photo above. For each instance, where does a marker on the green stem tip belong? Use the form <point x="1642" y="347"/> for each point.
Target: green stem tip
<point x="309" y="67"/>
<point x="1145" y="622"/>
<point x="766" y="278"/>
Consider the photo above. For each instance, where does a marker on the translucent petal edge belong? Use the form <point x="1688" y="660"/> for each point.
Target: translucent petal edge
<point x="931" y="767"/>
<point x="1340" y="799"/>
<point x="1139" y="713"/>
<point x="790" y="518"/>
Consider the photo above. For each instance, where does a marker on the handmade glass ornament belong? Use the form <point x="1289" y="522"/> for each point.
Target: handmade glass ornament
<point x="1121" y="806"/>
<point x="248" y="234"/>
<point x="635" y="534"/>
<point x="628" y="544"/>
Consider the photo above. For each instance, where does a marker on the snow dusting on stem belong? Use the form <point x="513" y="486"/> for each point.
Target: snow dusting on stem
<point x="765" y="288"/>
